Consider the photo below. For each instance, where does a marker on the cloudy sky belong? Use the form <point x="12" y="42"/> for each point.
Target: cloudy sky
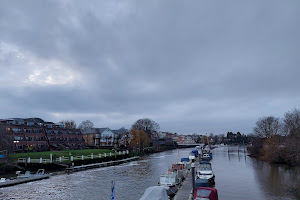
<point x="191" y="66"/>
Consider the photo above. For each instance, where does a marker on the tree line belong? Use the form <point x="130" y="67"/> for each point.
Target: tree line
<point x="277" y="139"/>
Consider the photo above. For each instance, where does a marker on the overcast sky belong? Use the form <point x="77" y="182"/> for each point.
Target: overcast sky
<point x="191" y="66"/>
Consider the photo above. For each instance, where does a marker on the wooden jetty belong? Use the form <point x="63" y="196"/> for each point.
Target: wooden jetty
<point x="23" y="180"/>
<point x="102" y="164"/>
<point x="186" y="190"/>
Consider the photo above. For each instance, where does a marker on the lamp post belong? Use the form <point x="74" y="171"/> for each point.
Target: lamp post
<point x="16" y="144"/>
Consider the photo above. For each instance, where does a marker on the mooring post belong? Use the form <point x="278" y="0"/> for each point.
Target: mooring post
<point x="193" y="175"/>
<point x="92" y="156"/>
<point x="51" y="157"/>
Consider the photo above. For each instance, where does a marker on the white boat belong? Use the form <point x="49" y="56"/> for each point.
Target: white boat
<point x="24" y="178"/>
<point x="205" y="172"/>
<point x="155" y="192"/>
<point x="171" y="182"/>
<point x="27" y="174"/>
<point x="192" y="156"/>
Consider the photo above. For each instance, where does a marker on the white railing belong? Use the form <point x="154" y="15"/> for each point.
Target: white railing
<point x="71" y="158"/>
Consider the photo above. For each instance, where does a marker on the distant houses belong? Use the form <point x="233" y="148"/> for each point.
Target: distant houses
<point x="38" y="135"/>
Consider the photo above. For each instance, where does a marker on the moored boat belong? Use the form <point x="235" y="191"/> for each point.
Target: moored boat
<point x="24" y="178"/>
<point x="205" y="193"/>
<point x="205" y="172"/>
<point x="192" y="156"/>
<point x="171" y="182"/>
<point x="155" y="192"/>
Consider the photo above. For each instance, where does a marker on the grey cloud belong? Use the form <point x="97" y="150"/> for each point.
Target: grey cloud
<point x="223" y="63"/>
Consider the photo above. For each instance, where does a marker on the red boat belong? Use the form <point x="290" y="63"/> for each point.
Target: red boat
<point x="178" y="166"/>
<point x="205" y="193"/>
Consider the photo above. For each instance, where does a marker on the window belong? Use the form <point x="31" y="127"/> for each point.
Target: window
<point x="203" y="192"/>
<point x="16" y="130"/>
<point x="18" y="138"/>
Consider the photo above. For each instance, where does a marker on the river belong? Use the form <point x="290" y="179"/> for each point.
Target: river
<point x="237" y="177"/>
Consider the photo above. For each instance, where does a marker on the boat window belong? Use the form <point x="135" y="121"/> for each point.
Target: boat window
<point x="205" y="167"/>
<point x="203" y="192"/>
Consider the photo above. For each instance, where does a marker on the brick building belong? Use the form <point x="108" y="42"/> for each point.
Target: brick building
<point x="36" y="134"/>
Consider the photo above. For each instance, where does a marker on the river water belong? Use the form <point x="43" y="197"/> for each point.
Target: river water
<point x="237" y="177"/>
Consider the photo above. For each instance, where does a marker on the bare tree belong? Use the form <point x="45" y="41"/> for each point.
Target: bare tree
<point x="86" y="125"/>
<point x="68" y="123"/>
<point x="147" y="125"/>
<point x="292" y="123"/>
<point x="6" y="142"/>
<point x="267" y="127"/>
<point x="292" y="130"/>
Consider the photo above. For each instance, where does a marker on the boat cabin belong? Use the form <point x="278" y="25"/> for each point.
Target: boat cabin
<point x="202" y="183"/>
<point x="168" y="180"/>
<point x="178" y="166"/>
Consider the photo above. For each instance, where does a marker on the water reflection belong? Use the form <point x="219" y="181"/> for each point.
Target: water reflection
<point x="242" y="177"/>
<point x="276" y="180"/>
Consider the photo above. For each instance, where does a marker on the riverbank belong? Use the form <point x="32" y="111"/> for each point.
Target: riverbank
<point x="8" y="168"/>
<point x="277" y="149"/>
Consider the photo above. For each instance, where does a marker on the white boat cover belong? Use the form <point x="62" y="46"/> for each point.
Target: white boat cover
<point x="155" y="193"/>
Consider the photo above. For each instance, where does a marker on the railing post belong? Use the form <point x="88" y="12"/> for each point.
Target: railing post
<point x="127" y="151"/>
<point x="99" y="155"/>
<point x="41" y="160"/>
<point x="104" y="154"/>
<point x="51" y="157"/>
<point x="28" y="160"/>
<point x="193" y="176"/>
<point x="119" y="152"/>
<point x="109" y="153"/>
<point x="82" y="157"/>
<point x="60" y="160"/>
<point x="72" y="158"/>
<point x="92" y="156"/>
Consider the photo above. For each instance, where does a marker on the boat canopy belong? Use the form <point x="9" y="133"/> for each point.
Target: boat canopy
<point x="206" y="192"/>
<point x="155" y="192"/>
<point x="195" y="152"/>
<point x="185" y="160"/>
